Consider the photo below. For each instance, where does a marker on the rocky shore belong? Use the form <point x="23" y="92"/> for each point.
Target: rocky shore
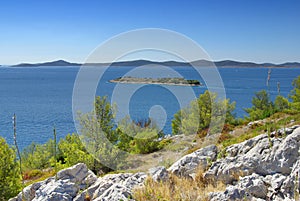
<point x="261" y="168"/>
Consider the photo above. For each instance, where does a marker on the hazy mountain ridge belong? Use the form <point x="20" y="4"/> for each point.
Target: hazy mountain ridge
<point x="202" y="63"/>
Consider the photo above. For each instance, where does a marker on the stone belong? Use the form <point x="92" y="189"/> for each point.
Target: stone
<point x="188" y="165"/>
<point x="159" y="173"/>
<point x="257" y="155"/>
<point x="65" y="186"/>
<point x="113" y="187"/>
<point x="231" y="193"/>
<point x="253" y="185"/>
<point x="261" y="168"/>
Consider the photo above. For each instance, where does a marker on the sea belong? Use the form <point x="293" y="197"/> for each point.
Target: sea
<point x="42" y="97"/>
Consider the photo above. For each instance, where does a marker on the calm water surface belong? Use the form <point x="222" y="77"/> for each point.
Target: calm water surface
<point x="42" y="97"/>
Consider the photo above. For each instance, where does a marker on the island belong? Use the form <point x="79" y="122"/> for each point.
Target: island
<point x="160" y="81"/>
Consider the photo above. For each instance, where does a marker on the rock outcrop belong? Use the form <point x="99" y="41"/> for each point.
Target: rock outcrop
<point x="113" y="187"/>
<point x="261" y="168"/>
<point x="65" y="186"/>
<point x="188" y="165"/>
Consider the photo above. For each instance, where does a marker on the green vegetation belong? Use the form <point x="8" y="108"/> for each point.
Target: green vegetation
<point x="295" y="94"/>
<point x="98" y="135"/>
<point x="10" y="178"/>
<point x="197" y="117"/>
<point x="101" y="137"/>
<point x="139" y="137"/>
<point x="262" y="107"/>
<point x="110" y="145"/>
<point x="133" y="137"/>
<point x="171" y="81"/>
<point x="275" y="116"/>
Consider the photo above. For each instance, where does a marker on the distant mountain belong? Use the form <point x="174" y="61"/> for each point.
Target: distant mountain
<point x="291" y="64"/>
<point x="201" y="63"/>
<point x="53" y="63"/>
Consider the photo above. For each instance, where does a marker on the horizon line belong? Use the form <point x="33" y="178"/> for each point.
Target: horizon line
<point x="149" y="60"/>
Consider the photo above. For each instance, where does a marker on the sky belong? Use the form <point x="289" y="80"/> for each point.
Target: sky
<point x="244" y="30"/>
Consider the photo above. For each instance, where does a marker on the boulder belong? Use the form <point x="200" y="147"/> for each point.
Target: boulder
<point x="187" y="165"/>
<point x="65" y="186"/>
<point x="231" y="193"/>
<point x="291" y="185"/>
<point x="113" y="187"/>
<point x="260" y="168"/>
<point x="259" y="155"/>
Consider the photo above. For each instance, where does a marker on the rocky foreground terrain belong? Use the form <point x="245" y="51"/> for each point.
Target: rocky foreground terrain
<point x="260" y="168"/>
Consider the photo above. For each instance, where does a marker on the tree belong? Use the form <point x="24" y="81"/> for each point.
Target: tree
<point x="262" y="106"/>
<point x="295" y="94"/>
<point x="105" y="117"/>
<point x="198" y="115"/>
<point x="10" y="178"/>
<point x="281" y="104"/>
<point x="99" y="137"/>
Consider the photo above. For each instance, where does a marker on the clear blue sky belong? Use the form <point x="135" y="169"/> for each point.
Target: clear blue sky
<point x="245" y="30"/>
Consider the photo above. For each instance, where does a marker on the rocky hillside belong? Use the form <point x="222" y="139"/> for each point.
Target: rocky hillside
<point x="261" y="168"/>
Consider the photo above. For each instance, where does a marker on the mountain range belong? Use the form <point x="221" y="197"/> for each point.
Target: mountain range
<point x="201" y="63"/>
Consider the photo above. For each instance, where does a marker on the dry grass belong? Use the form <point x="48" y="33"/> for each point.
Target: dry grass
<point x="40" y="177"/>
<point x="177" y="189"/>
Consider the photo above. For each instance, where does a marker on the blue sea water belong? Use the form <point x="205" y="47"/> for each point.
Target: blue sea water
<point x="42" y="97"/>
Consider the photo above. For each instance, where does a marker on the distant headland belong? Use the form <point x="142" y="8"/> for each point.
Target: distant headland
<point x="160" y="81"/>
<point x="198" y="63"/>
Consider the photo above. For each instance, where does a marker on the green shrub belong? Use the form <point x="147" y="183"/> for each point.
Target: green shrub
<point x="140" y="136"/>
<point x="10" y="177"/>
<point x="37" y="156"/>
<point x="295" y="93"/>
<point x="198" y="114"/>
<point x="262" y="106"/>
<point x="163" y="143"/>
<point x="281" y="104"/>
<point x="72" y="151"/>
<point x="146" y="142"/>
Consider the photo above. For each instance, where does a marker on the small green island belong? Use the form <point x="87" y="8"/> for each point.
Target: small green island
<point x="161" y="81"/>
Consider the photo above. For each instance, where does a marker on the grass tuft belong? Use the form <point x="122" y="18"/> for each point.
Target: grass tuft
<point x="177" y="189"/>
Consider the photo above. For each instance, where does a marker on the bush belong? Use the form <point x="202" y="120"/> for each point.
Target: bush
<point x="262" y="106"/>
<point x="295" y="93"/>
<point x="281" y="104"/>
<point x="146" y="142"/>
<point x="38" y="156"/>
<point x="140" y="136"/>
<point x="198" y="114"/>
<point x="72" y="151"/>
<point x="10" y="177"/>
